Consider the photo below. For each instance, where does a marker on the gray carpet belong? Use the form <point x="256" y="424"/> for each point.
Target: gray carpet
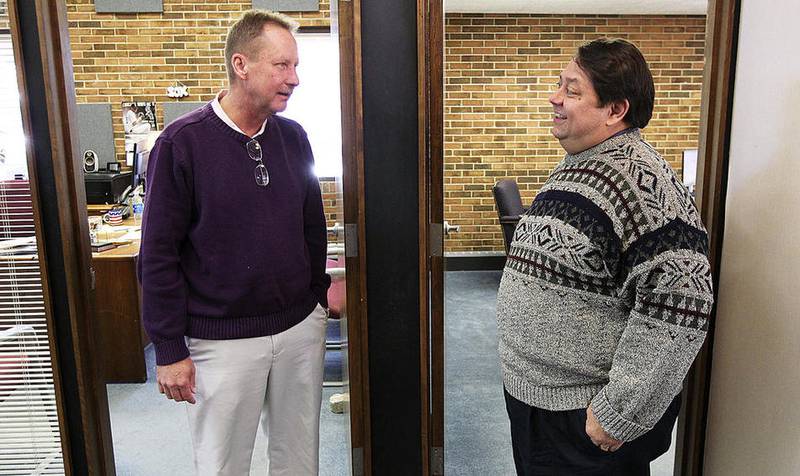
<point x="477" y="435"/>
<point x="477" y="438"/>
<point x="150" y="432"/>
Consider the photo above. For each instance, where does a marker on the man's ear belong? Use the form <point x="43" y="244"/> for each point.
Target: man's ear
<point x="617" y="112"/>
<point x="239" y="65"/>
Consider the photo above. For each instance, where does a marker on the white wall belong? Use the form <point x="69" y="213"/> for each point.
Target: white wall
<point x="754" y="414"/>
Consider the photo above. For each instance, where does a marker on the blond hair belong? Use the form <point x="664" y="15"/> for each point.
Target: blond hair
<point x="248" y="28"/>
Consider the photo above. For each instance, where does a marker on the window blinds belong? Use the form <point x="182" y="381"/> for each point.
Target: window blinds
<point x="30" y="441"/>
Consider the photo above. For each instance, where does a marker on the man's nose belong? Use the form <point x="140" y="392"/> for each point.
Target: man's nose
<point x="556" y="97"/>
<point x="293" y="79"/>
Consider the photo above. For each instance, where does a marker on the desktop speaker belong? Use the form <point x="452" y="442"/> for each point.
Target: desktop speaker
<point x="90" y="161"/>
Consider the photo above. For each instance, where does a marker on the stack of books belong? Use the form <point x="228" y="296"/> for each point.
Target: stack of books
<point x="102" y="246"/>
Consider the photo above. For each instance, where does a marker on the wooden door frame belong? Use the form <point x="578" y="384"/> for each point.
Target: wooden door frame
<point x="717" y="95"/>
<point x="348" y="15"/>
<point x="47" y="92"/>
<point x="81" y="393"/>
<point x="391" y="148"/>
<point x="722" y="31"/>
<point x="430" y="78"/>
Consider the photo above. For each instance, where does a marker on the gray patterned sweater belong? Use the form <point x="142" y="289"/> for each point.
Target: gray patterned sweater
<point x="606" y="293"/>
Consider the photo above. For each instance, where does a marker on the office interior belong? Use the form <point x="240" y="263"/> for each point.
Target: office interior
<point x="498" y="69"/>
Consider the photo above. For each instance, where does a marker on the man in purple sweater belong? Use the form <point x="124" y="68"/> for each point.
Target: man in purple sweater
<point x="232" y="263"/>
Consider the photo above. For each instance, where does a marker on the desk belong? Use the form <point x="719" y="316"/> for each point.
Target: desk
<point x="120" y="336"/>
<point x="98" y="210"/>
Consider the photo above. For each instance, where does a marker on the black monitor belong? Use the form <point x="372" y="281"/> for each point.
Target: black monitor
<point x="140" y="159"/>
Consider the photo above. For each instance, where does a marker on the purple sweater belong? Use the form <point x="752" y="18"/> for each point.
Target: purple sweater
<point x="222" y="257"/>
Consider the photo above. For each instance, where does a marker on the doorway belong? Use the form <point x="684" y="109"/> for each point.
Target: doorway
<point x="115" y="66"/>
<point x="499" y="69"/>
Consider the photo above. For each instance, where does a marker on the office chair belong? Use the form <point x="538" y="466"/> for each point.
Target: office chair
<point x="509" y="207"/>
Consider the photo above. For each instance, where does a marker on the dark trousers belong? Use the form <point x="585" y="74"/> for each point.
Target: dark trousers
<point x="556" y="444"/>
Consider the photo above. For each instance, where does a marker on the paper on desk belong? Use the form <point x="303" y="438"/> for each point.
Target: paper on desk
<point x="131" y="235"/>
<point x="122" y="232"/>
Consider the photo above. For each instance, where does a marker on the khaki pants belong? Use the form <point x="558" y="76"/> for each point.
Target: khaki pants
<point x="275" y="379"/>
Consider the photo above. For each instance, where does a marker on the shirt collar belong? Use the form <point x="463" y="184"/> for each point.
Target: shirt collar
<point x="217" y="107"/>
<point x="623" y="131"/>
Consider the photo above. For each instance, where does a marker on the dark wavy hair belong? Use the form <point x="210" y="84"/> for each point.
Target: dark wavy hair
<point x="618" y="71"/>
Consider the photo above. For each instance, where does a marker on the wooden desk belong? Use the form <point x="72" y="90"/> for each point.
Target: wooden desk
<point x="98" y="210"/>
<point x="121" y="338"/>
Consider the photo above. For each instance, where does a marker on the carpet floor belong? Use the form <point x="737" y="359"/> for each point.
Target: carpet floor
<point x="151" y="438"/>
<point x="477" y="434"/>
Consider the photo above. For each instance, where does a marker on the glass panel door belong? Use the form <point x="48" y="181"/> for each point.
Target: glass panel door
<point x="316" y="106"/>
<point x="30" y="438"/>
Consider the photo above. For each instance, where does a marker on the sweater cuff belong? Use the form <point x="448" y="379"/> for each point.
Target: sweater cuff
<point x="171" y="351"/>
<point x="612" y="422"/>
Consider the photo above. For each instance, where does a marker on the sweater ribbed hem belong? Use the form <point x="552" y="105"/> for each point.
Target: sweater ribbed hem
<point x="550" y="398"/>
<point x="171" y="351"/>
<point x="224" y="328"/>
<point x="321" y="292"/>
<point x="612" y="422"/>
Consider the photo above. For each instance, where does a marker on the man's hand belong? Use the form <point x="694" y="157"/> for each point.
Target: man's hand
<point x="598" y="435"/>
<point x="176" y="381"/>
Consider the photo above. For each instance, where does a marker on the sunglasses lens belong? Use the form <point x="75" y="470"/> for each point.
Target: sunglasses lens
<point x="262" y="176"/>
<point x="254" y="150"/>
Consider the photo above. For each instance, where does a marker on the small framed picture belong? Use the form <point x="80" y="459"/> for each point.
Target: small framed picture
<point x="139" y="117"/>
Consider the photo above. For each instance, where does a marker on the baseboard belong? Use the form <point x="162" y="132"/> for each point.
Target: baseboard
<point x="474" y="261"/>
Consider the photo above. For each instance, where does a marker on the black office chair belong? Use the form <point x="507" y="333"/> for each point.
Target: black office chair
<point x="509" y="207"/>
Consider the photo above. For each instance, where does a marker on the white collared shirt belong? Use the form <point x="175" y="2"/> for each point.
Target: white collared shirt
<point x="217" y="107"/>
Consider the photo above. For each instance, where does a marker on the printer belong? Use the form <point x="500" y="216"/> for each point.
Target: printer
<point x="106" y="187"/>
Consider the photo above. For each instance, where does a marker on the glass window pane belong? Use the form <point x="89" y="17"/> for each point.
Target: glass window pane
<point x="315" y="102"/>
<point x="30" y="440"/>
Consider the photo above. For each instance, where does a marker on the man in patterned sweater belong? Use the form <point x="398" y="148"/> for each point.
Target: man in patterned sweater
<point x="606" y="293"/>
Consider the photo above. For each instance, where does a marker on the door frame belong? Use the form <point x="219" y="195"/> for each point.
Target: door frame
<point x="430" y="79"/>
<point x="722" y="23"/>
<point x="46" y="73"/>
<point x="47" y="97"/>
<point x="722" y="32"/>
<point x="348" y="18"/>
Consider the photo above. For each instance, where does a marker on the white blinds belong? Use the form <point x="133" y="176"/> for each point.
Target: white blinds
<point x="30" y="441"/>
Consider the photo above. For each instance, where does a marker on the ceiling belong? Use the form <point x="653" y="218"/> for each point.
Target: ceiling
<point x="596" y="7"/>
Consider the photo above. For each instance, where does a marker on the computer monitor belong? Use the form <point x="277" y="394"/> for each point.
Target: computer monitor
<point x="140" y="159"/>
<point x="137" y="152"/>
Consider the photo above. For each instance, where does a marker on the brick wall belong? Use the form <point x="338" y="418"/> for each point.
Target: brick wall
<point x="135" y="57"/>
<point x="499" y="72"/>
<point x="332" y="201"/>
